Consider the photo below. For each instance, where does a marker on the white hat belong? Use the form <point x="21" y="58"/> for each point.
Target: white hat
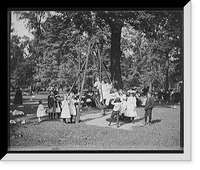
<point x="131" y="91"/>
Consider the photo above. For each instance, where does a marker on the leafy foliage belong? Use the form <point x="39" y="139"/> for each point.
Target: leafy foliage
<point x="150" y="46"/>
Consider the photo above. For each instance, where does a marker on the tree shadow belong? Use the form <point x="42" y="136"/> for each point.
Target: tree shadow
<point x="89" y="119"/>
<point x="100" y="116"/>
<point x="156" y="121"/>
<point x="126" y="120"/>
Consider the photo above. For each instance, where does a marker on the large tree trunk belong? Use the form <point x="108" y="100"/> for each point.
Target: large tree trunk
<point x="115" y="67"/>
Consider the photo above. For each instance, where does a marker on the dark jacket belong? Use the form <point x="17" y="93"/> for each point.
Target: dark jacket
<point x="58" y="103"/>
<point x="18" y="97"/>
<point x="50" y="101"/>
<point x="149" y="104"/>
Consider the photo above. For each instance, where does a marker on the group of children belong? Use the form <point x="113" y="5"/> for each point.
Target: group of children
<point x="64" y="109"/>
<point x="126" y="106"/>
<point x="124" y="103"/>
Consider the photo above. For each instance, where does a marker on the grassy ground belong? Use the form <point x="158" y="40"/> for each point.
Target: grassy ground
<point x="164" y="133"/>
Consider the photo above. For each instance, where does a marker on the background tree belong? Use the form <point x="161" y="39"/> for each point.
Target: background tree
<point x="139" y="48"/>
<point x="165" y="28"/>
<point x="21" y="63"/>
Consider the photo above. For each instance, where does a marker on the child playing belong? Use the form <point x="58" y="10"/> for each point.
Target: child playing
<point x="116" y="109"/>
<point x="97" y="85"/>
<point x="106" y="87"/>
<point x="65" y="114"/>
<point x="40" y="111"/>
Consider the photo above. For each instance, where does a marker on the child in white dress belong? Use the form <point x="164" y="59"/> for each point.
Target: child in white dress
<point x="72" y="107"/>
<point x="65" y="114"/>
<point x="106" y="87"/>
<point x="40" y="111"/>
<point x="124" y="103"/>
<point x="131" y="106"/>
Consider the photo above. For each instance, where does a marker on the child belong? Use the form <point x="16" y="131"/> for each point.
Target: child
<point x="114" y="94"/>
<point x="149" y="104"/>
<point x="65" y="114"/>
<point x="40" y="111"/>
<point x="106" y="87"/>
<point x="116" y="109"/>
<point x="72" y="107"/>
<point x="50" y="102"/>
<point x="123" y="106"/>
<point x="58" y="107"/>
<point x="131" y="106"/>
<point x="97" y="85"/>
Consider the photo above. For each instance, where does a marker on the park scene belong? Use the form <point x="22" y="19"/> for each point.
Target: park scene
<point x="96" y="80"/>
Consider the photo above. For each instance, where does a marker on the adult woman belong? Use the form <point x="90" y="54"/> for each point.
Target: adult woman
<point x="18" y="96"/>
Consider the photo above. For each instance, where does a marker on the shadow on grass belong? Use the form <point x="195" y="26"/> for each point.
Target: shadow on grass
<point x="101" y="115"/>
<point x="126" y="120"/>
<point x="156" y="121"/>
<point x="89" y="119"/>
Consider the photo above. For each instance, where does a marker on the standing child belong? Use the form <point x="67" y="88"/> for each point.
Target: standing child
<point x="65" y="114"/>
<point x="123" y="106"/>
<point x="131" y="106"/>
<point x="50" y="102"/>
<point x="58" y="106"/>
<point x="40" y="111"/>
<point x="72" y="107"/>
<point x="149" y="104"/>
<point x="116" y="109"/>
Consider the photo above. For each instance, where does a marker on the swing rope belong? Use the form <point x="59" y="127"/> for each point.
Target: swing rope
<point x="100" y="105"/>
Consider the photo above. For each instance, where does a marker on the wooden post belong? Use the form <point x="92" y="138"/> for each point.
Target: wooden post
<point x="82" y="85"/>
<point x="100" y="77"/>
<point x="79" y="68"/>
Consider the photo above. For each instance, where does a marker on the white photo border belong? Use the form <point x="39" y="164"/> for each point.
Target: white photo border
<point x="185" y="156"/>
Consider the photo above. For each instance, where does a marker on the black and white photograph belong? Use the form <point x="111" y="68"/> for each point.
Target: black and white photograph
<point x="96" y="81"/>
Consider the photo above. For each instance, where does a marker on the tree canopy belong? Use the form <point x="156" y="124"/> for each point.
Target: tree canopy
<point x="139" y="48"/>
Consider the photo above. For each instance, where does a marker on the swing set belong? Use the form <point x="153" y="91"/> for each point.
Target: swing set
<point x="92" y="51"/>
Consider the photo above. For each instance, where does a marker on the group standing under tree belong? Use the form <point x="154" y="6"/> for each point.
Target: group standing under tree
<point x="124" y="104"/>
